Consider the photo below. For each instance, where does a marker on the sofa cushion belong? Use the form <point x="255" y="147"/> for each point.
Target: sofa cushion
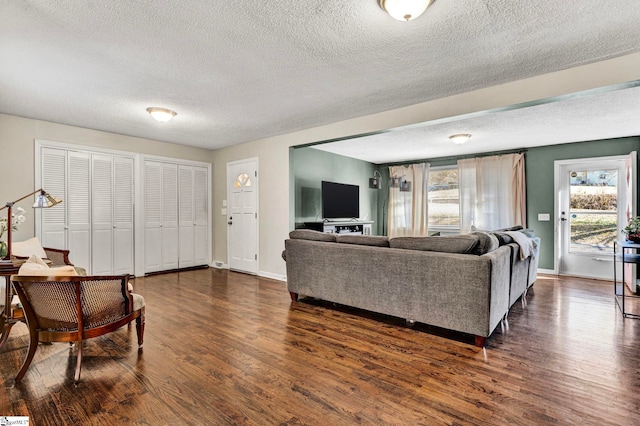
<point x="487" y="242"/>
<point x="308" y="234"/>
<point x="448" y="244"/>
<point x="363" y="240"/>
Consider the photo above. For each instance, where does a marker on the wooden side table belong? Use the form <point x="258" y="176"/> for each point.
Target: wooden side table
<point x="8" y="317"/>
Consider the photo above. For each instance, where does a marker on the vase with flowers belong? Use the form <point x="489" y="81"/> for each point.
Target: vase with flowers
<point x="17" y="218"/>
<point x="632" y="230"/>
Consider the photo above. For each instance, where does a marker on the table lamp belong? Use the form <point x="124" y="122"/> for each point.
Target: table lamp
<point x="43" y="200"/>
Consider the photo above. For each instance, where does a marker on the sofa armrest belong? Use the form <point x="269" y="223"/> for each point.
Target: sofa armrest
<point x="58" y="257"/>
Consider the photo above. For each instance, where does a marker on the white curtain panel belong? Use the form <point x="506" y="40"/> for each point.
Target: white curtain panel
<point x="407" y="211"/>
<point x="492" y="192"/>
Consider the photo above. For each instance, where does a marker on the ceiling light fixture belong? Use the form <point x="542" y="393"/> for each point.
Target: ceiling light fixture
<point x="459" y="139"/>
<point x="404" y="10"/>
<point x="161" y="114"/>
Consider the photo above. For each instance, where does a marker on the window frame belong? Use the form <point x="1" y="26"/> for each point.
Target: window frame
<point x="443" y="229"/>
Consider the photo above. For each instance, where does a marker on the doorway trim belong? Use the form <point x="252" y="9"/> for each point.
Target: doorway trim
<point x="557" y="166"/>
<point x="228" y="197"/>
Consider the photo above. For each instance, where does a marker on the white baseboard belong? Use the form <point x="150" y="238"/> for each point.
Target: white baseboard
<point x="547" y="271"/>
<point x="272" y="276"/>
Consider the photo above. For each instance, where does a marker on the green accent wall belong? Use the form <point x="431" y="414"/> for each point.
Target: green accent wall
<point x="539" y="164"/>
<point x="312" y="166"/>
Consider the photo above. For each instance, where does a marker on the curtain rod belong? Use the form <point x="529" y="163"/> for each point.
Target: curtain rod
<point x="456" y="157"/>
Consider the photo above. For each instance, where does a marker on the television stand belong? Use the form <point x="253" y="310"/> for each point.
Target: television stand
<point x="341" y="226"/>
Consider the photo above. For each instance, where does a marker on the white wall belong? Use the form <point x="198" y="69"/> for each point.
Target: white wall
<point x="17" y="158"/>
<point x="17" y="137"/>
<point x="273" y="153"/>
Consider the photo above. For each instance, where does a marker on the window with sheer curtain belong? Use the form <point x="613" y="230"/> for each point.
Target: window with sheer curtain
<point x="492" y="192"/>
<point x="444" y="199"/>
<point x="408" y="210"/>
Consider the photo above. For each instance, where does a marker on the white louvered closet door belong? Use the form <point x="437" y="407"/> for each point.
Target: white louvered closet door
<point x="123" y="236"/>
<point x="201" y="215"/>
<point x="77" y="203"/>
<point x="186" y="215"/>
<point x="102" y="214"/>
<point x="152" y="216"/>
<point x="170" y="238"/>
<point x="95" y="219"/>
<point x="54" y="181"/>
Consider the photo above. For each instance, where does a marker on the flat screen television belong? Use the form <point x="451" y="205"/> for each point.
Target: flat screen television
<point x="340" y="201"/>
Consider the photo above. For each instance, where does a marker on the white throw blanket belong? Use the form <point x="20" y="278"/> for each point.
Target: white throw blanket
<point x="527" y="245"/>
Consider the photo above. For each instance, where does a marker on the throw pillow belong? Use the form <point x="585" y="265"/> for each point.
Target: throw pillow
<point x="512" y="228"/>
<point x="27" y="248"/>
<point x="449" y="244"/>
<point x="308" y="234"/>
<point x="363" y="240"/>
<point x="487" y="242"/>
<point x="34" y="266"/>
<point x="528" y="232"/>
<point x="503" y="238"/>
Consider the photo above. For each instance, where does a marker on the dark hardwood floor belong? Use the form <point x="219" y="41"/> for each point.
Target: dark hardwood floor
<point x="227" y="348"/>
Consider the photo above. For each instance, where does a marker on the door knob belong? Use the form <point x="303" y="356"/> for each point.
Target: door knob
<point x="230" y="222"/>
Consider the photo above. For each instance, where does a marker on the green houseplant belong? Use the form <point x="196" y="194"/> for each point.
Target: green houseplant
<point x="632" y="230"/>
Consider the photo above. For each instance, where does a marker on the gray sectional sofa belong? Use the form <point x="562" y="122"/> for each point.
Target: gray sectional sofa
<point x="465" y="283"/>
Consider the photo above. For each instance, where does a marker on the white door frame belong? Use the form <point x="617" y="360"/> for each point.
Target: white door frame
<point x="557" y="166"/>
<point x="257" y="192"/>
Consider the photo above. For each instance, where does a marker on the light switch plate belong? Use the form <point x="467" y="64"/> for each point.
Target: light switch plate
<point x="224" y="203"/>
<point x="544" y="217"/>
<point x="223" y="211"/>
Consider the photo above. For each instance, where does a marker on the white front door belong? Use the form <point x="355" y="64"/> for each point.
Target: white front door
<point x="592" y="195"/>
<point x="242" y="215"/>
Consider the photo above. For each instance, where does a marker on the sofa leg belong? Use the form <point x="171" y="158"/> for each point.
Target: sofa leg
<point x="480" y="341"/>
<point x="294" y="296"/>
<point x="504" y="324"/>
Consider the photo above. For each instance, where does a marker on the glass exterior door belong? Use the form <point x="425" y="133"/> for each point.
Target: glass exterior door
<point x="592" y="200"/>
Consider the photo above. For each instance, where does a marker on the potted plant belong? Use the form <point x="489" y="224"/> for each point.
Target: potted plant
<point x="16" y="219"/>
<point x="632" y="230"/>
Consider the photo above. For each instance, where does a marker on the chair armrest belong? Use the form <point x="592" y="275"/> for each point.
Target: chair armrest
<point x="58" y="256"/>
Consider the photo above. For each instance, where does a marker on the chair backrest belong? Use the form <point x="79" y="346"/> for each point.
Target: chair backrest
<point x="68" y="304"/>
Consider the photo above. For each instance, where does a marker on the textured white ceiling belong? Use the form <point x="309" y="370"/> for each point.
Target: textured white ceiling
<point x="611" y="114"/>
<point x="244" y="70"/>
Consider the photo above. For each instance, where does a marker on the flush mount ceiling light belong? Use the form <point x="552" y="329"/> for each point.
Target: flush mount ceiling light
<point x="161" y="114"/>
<point x="459" y="139"/>
<point x="404" y="10"/>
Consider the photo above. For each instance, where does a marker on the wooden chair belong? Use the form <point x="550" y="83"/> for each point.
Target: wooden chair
<point x="72" y="309"/>
<point x="32" y="246"/>
<point x="58" y="257"/>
